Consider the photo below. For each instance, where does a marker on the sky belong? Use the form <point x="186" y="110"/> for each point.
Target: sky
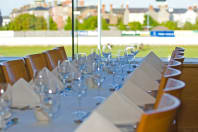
<point x="6" y="6"/>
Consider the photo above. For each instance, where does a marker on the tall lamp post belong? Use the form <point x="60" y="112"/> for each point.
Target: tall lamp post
<point x="99" y="26"/>
<point x="73" y="29"/>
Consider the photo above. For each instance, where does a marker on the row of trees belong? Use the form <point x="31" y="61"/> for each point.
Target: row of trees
<point x="88" y="24"/>
<point x="169" y="24"/>
<point x="31" y="22"/>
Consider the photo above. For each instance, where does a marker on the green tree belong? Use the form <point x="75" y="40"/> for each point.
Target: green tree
<point x="135" y="26"/>
<point x="27" y="22"/>
<point x="170" y="25"/>
<point x="68" y="25"/>
<point x="105" y="25"/>
<point x="121" y="25"/>
<point x="89" y="23"/>
<point x="40" y="24"/>
<point x="52" y="24"/>
<point x="152" y="22"/>
<point x="188" y="26"/>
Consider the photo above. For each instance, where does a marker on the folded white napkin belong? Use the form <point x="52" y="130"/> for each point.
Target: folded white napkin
<point x="22" y="94"/>
<point x="143" y="80"/>
<point x="120" y="110"/>
<point x="155" y="61"/>
<point x="153" y="73"/>
<point x="41" y="115"/>
<point x="97" y="123"/>
<point x="73" y="66"/>
<point x="54" y="83"/>
<point x="55" y="71"/>
<point x="136" y="94"/>
<point x="90" y="82"/>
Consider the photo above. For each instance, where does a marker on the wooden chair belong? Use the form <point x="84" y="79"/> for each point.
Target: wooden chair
<point x="14" y="70"/>
<point x="62" y="52"/>
<point x="35" y="63"/>
<point x="179" y="58"/>
<point x="175" y="64"/>
<point x="52" y="58"/>
<point x="173" y="87"/>
<point x="2" y="77"/>
<point x="177" y="52"/>
<point x="3" y="84"/>
<point x="160" y="119"/>
<point x="179" y="49"/>
<point x="170" y="73"/>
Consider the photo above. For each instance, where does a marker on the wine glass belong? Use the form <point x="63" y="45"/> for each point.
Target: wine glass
<point x="106" y="51"/>
<point x="51" y="103"/>
<point x="129" y="53"/>
<point x="80" y="92"/>
<point x="99" y="79"/>
<point x="66" y="76"/>
<point x="40" y="82"/>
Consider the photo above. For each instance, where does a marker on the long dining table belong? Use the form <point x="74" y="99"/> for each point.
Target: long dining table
<point x="64" y="120"/>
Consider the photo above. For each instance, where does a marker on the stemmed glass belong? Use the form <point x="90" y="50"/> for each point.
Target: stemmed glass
<point x="5" y="104"/>
<point x="80" y="92"/>
<point x="66" y="73"/>
<point x="81" y="60"/>
<point x="106" y="52"/>
<point x="40" y="82"/>
<point x="99" y="79"/>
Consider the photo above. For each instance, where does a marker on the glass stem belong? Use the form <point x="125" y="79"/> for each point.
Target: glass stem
<point x="79" y="104"/>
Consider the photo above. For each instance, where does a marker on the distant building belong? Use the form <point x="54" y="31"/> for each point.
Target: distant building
<point x="6" y="20"/>
<point x="177" y="15"/>
<point x="1" y="19"/>
<point x="163" y="14"/>
<point x="60" y="14"/>
<point x="190" y="16"/>
<point x="134" y="14"/>
<point x="86" y="11"/>
<point x="39" y="11"/>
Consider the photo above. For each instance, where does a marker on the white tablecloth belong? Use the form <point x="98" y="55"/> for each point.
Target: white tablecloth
<point x="64" y="122"/>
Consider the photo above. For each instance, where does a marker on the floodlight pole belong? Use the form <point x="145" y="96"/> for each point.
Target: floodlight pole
<point x="99" y="26"/>
<point x="73" y="29"/>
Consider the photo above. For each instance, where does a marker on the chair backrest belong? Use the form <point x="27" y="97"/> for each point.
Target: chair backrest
<point x="179" y="49"/>
<point x="2" y="77"/>
<point x="14" y="70"/>
<point x="52" y="58"/>
<point x="179" y="58"/>
<point x="175" y="64"/>
<point x="173" y="87"/>
<point x="35" y="63"/>
<point x="160" y="120"/>
<point x="169" y="73"/>
<point x="62" y="52"/>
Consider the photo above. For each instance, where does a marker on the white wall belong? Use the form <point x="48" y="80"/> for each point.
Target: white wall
<point x="29" y="41"/>
<point x="139" y="17"/>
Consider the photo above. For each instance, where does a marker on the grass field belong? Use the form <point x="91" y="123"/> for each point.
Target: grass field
<point x="161" y="51"/>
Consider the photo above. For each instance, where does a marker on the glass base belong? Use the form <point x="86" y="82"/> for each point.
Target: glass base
<point x="99" y="99"/>
<point x="67" y="92"/>
<point x="79" y="116"/>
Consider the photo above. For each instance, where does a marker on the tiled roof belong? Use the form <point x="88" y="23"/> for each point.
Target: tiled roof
<point x="38" y="8"/>
<point x="138" y="10"/>
<point x="118" y="10"/>
<point x="86" y="7"/>
<point x="179" y="10"/>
